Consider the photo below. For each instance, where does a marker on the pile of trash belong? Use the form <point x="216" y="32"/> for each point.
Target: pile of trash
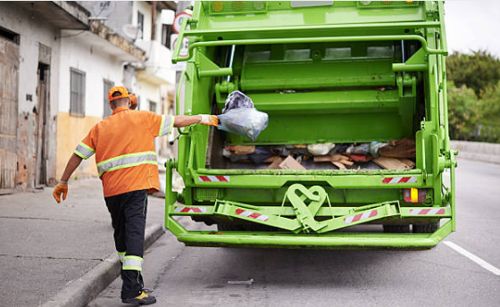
<point x="399" y="154"/>
<point x="240" y="116"/>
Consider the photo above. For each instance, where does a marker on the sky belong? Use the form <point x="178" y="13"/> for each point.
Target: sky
<point x="473" y="25"/>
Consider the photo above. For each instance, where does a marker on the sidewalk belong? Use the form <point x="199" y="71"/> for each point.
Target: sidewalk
<point x="45" y="245"/>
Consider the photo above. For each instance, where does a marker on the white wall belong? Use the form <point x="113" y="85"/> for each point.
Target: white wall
<point x="97" y="66"/>
<point x="148" y="91"/>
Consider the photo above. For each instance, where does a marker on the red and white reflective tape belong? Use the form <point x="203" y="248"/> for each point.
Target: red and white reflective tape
<point x="252" y="215"/>
<point x="361" y="216"/>
<point x="214" y="178"/>
<point x="427" y="211"/>
<point x="395" y="180"/>
<point x="191" y="209"/>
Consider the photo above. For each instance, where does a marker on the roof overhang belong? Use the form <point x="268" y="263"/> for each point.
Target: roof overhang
<point x="60" y="14"/>
<point x="108" y="43"/>
<point x="117" y="44"/>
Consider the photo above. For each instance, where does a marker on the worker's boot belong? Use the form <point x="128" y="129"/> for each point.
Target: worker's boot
<point x="142" y="299"/>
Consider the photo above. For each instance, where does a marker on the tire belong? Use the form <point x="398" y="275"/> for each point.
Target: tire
<point x="397" y="228"/>
<point x="425" y="228"/>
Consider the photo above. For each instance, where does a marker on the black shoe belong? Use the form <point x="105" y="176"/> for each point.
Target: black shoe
<point x="142" y="299"/>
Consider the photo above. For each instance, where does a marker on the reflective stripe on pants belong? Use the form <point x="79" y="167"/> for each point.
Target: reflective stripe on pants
<point x="132" y="263"/>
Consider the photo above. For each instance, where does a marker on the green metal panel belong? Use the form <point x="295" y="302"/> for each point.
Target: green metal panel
<point x="342" y="72"/>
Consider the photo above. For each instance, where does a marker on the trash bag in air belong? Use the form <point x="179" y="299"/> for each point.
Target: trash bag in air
<point x="240" y="116"/>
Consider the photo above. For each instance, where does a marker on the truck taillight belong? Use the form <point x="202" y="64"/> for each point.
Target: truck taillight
<point x="237" y="7"/>
<point x="414" y="195"/>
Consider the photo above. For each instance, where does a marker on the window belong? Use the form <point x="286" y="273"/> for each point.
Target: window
<point x="77" y="92"/>
<point x="107" y="85"/>
<point x="152" y="106"/>
<point x="166" y="33"/>
<point x="140" y="24"/>
<point x="9" y="35"/>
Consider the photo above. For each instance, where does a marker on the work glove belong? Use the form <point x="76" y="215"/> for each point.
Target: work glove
<point x="209" y="120"/>
<point x="61" y="189"/>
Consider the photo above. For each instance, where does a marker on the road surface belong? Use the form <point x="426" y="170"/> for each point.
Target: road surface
<point x="461" y="271"/>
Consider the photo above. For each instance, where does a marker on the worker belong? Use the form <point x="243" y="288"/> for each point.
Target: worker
<point x="133" y="101"/>
<point x="124" y="149"/>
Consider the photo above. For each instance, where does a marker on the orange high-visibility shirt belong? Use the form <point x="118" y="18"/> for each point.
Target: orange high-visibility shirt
<point x="124" y="150"/>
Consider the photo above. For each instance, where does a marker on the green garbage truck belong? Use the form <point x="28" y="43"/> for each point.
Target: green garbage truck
<point x="338" y="75"/>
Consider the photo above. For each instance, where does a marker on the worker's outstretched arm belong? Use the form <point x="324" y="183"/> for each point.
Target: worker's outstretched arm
<point x="187" y="120"/>
<point x="61" y="189"/>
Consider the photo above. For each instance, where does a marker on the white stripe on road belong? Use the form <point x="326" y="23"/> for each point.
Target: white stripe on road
<point x="473" y="257"/>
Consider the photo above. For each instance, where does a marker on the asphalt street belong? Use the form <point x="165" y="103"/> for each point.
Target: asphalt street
<point x="192" y="276"/>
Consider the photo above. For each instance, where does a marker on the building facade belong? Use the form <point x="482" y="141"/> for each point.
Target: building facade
<point x="57" y="61"/>
<point x="30" y="46"/>
<point x="141" y="22"/>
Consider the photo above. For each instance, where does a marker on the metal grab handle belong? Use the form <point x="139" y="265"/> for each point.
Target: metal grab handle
<point x="271" y="41"/>
<point x="182" y="80"/>
<point x="178" y="44"/>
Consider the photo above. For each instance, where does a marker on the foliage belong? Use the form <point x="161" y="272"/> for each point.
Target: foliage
<point x="463" y="112"/>
<point x="474" y="96"/>
<point x="478" y="71"/>
<point x="489" y="124"/>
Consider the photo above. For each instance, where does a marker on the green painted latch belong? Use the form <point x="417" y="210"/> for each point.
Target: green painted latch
<point x="207" y="68"/>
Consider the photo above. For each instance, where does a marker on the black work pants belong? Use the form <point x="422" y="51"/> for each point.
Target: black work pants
<point x="128" y="217"/>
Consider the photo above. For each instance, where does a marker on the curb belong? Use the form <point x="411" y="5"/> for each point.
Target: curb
<point x="83" y="290"/>
<point x="478" y="151"/>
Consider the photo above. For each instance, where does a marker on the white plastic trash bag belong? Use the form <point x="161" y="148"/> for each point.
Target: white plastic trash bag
<point x="241" y="117"/>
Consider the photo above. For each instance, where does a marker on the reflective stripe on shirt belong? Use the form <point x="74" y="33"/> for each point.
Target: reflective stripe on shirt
<point x="167" y="124"/>
<point x="84" y="151"/>
<point x="125" y="161"/>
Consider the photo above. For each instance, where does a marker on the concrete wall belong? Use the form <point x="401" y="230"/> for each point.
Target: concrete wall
<point x="32" y="31"/>
<point x="97" y="65"/>
<point x="486" y="152"/>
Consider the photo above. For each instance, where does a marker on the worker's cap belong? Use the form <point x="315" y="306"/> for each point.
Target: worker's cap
<point x="117" y="89"/>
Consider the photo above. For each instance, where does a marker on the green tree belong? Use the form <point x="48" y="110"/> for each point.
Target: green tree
<point x="463" y="112"/>
<point x="478" y="71"/>
<point x="489" y="121"/>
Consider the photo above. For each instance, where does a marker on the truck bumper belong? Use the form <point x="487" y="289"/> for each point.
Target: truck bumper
<point x="338" y="240"/>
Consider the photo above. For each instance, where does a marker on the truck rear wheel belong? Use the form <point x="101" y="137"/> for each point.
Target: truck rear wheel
<point x="396" y="228"/>
<point x="425" y="228"/>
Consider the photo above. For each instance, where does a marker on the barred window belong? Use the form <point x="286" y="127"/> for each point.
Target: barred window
<point x="77" y="92"/>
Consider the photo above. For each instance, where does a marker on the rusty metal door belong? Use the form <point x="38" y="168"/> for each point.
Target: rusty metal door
<point x="9" y="71"/>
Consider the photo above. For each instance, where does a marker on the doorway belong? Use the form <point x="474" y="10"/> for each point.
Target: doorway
<point x="9" y="81"/>
<point x="42" y="112"/>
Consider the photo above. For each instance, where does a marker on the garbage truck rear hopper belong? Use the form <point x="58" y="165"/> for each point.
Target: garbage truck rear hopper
<point x="326" y="72"/>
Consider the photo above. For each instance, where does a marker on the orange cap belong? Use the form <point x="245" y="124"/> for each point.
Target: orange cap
<point x="122" y="90"/>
